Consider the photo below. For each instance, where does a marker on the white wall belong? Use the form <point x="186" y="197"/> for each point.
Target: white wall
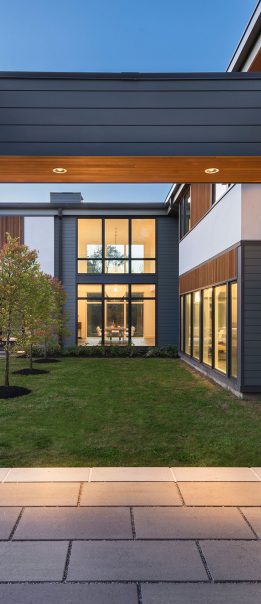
<point x="219" y="230"/>
<point x="251" y="212"/>
<point x="39" y="235"/>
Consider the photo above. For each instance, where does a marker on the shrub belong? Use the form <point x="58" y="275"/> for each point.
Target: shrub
<point x="163" y="352"/>
<point x="114" y="352"/>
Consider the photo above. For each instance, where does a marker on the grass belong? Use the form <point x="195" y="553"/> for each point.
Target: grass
<point x="149" y="412"/>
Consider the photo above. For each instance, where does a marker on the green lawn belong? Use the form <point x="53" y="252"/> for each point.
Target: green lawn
<point x="149" y="412"/>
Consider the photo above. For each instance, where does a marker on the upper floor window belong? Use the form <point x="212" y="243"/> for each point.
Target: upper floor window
<point x="184" y="213"/>
<point x="116" y="245"/>
<point x="219" y="189"/>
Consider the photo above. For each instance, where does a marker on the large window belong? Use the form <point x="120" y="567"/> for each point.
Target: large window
<point x="184" y="214"/>
<point x="221" y="328"/>
<point x="219" y="189"/>
<point x="196" y="296"/>
<point x="116" y="314"/>
<point x="214" y="342"/>
<point x="207" y="326"/>
<point x="187" y="338"/>
<point x="233" y="337"/>
<point x="116" y="245"/>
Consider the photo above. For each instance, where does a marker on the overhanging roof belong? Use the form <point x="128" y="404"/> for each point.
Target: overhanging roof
<point x="130" y="127"/>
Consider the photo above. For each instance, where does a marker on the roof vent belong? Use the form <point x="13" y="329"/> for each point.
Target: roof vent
<point x="65" y="198"/>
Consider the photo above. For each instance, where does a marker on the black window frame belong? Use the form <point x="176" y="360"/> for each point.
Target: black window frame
<point x="128" y="259"/>
<point x="183" y="227"/>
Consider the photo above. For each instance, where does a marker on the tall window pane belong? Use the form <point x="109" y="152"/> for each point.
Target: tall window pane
<point x="143" y="315"/>
<point x="187" y="205"/>
<point x="182" y="324"/>
<point x="221" y="328"/>
<point x="116" y="309"/>
<point x="116" y="245"/>
<point x="234" y="330"/>
<point x="89" y="322"/>
<point x="143" y="245"/>
<point x="89" y="245"/>
<point x="188" y="323"/>
<point x="196" y="324"/>
<point x="207" y="326"/>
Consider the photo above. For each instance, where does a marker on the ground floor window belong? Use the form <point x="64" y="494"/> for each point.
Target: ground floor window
<point x="209" y="327"/>
<point x="116" y="314"/>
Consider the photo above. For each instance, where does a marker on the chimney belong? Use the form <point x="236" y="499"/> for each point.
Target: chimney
<point x="60" y="199"/>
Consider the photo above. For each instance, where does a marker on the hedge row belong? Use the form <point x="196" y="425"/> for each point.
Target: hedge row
<point x="110" y="351"/>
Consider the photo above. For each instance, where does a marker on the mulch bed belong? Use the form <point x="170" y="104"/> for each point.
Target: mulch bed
<point x="27" y="371"/>
<point x="13" y="391"/>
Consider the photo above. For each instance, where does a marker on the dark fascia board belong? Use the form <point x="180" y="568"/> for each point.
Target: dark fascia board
<point x="82" y="206"/>
<point x="247" y="41"/>
<point x="135" y="76"/>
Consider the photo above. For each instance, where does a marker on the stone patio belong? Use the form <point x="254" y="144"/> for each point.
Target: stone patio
<point x="130" y="535"/>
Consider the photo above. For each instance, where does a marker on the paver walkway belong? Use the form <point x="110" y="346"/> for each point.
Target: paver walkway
<point x="130" y="535"/>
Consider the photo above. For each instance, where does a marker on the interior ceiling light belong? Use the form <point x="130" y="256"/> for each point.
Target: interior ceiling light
<point x="59" y="170"/>
<point x="212" y="170"/>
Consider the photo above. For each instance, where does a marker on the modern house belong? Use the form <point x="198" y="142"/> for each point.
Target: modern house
<point x="185" y="271"/>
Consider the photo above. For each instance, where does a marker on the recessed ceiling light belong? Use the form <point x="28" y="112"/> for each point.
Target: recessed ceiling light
<point x="212" y="170"/>
<point x="59" y="170"/>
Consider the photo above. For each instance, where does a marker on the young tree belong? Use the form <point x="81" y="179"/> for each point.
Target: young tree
<point x="52" y="326"/>
<point x="36" y="312"/>
<point x="18" y="268"/>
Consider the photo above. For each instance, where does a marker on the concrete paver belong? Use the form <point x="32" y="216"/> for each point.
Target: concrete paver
<point x="8" y="518"/>
<point x="48" y="475"/>
<point x="121" y="474"/>
<point x="3" y="473"/>
<point x="68" y="594"/>
<point x="124" y="493"/>
<point x="233" y="560"/>
<point x="221" y="493"/>
<point x="135" y="560"/>
<point x="32" y="560"/>
<point x="74" y="523"/>
<point x="200" y="594"/>
<point x="253" y="516"/>
<point x="214" y="474"/>
<point x="190" y="523"/>
<point x="39" y="494"/>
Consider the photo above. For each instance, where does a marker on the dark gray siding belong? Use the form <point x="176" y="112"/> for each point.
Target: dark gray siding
<point x="130" y="114"/>
<point x="69" y="231"/>
<point x="251" y="317"/>
<point x="168" y="299"/>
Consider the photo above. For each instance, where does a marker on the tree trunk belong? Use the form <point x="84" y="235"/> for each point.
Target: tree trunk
<point x="31" y="356"/>
<point x="7" y="362"/>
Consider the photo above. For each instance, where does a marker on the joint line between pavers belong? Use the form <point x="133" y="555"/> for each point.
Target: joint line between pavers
<point x="248" y="523"/>
<point x="255" y="474"/>
<point x="139" y="593"/>
<point x="90" y="475"/>
<point x="173" y="474"/>
<point x="7" y="474"/>
<point x="16" y="524"/>
<point x="133" y="528"/>
<point x="67" y="562"/>
<point x="80" y="494"/>
<point x="203" y="559"/>
<point x="180" y="494"/>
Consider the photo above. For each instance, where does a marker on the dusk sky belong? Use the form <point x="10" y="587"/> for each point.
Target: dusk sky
<point x="117" y="35"/>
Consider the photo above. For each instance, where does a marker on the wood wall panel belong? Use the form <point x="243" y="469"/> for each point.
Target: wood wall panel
<point x="14" y="225"/>
<point x="201" y="194"/>
<point x="221" y="268"/>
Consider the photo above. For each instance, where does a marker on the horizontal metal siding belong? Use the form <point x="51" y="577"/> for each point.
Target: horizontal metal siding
<point x="168" y="306"/>
<point x="69" y="276"/>
<point x="161" y="115"/>
<point x="251" y="344"/>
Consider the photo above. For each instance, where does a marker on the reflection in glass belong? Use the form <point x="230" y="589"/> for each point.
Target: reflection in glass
<point x="196" y="324"/>
<point x="220" y="328"/>
<point x="116" y="245"/>
<point x="89" y="322"/>
<point x="188" y="324"/>
<point x="143" y="245"/>
<point x="207" y="326"/>
<point x="143" y="266"/>
<point x="234" y="330"/>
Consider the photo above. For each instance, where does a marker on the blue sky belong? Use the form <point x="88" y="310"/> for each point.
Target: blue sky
<point x="117" y="35"/>
<point x="121" y="35"/>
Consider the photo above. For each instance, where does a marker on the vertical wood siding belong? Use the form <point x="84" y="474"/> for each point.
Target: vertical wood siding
<point x="200" y="201"/>
<point x="221" y="268"/>
<point x="14" y="225"/>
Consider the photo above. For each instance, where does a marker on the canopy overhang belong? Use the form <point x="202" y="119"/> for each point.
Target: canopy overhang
<point x="130" y="127"/>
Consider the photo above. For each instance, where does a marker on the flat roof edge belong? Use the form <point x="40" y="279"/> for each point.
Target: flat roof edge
<point x="129" y="76"/>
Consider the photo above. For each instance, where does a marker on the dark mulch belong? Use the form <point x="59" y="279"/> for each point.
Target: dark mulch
<point x="30" y="371"/>
<point x="13" y="391"/>
<point x="48" y="360"/>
